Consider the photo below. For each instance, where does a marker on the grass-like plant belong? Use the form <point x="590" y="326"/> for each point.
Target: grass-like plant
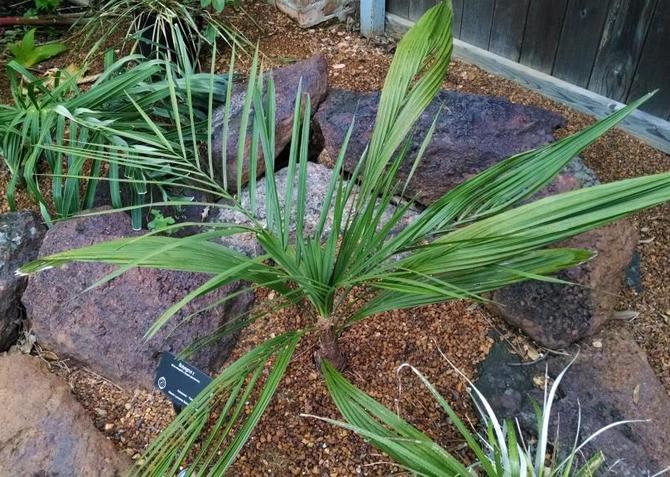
<point x="154" y="26"/>
<point x="480" y="236"/>
<point x="500" y="451"/>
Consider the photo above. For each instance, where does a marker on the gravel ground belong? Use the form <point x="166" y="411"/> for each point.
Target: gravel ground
<point x="378" y="346"/>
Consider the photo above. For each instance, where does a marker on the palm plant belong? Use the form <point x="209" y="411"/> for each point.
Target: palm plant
<point x="476" y="238"/>
<point x="501" y="451"/>
<point x="52" y="115"/>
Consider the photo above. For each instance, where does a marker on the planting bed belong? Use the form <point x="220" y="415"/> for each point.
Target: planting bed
<point x="285" y="443"/>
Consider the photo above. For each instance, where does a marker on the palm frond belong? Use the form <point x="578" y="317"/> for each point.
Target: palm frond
<point x="223" y="415"/>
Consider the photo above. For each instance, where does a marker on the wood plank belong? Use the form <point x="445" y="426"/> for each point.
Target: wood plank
<point x="653" y="71"/>
<point x="476" y="23"/>
<point x="650" y="129"/>
<point x="580" y="38"/>
<point x="458" y="16"/>
<point x="543" y="29"/>
<point x="623" y="38"/>
<point x="398" y="7"/>
<point x="509" y="20"/>
<point x="419" y="7"/>
<point x="373" y="17"/>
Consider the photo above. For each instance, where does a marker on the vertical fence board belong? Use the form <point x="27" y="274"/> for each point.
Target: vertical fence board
<point x="373" y="17"/>
<point x="398" y="7"/>
<point x="580" y="38"/>
<point x="653" y="70"/>
<point x="458" y="16"/>
<point x="476" y="23"/>
<point x="623" y="38"/>
<point x="419" y="7"/>
<point x="543" y="29"/>
<point x="509" y="20"/>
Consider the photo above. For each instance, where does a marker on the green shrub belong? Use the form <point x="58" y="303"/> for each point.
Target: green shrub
<point x="480" y="236"/>
<point x="157" y="27"/>
<point x="46" y="5"/>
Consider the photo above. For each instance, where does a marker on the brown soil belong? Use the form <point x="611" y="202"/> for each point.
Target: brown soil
<point x="285" y="443"/>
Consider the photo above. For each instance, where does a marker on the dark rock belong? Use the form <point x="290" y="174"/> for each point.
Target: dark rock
<point x="180" y="214"/>
<point x="472" y="133"/>
<point x="557" y="315"/>
<point x="44" y="430"/>
<point x="104" y="327"/>
<point x="609" y="382"/>
<point x="192" y="213"/>
<point x="313" y="73"/>
<point x="505" y="384"/>
<point x="21" y="235"/>
<point x="634" y="273"/>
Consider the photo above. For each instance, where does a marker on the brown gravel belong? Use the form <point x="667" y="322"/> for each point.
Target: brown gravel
<point x="287" y="444"/>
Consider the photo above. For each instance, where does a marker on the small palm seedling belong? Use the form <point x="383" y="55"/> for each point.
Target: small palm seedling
<point x="480" y="236"/>
<point x="27" y="53"/>
<point x="501" y="451"/>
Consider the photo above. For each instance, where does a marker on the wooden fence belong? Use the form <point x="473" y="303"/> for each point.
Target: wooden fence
<point x="616" y="48"/>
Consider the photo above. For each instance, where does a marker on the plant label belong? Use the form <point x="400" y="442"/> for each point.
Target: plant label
<point x="179" y="381"/>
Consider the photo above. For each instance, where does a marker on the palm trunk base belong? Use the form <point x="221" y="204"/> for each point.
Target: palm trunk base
<point x="330" y="349"/>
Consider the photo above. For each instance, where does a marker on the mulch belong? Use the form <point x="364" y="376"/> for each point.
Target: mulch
<point x="285" y="443"/>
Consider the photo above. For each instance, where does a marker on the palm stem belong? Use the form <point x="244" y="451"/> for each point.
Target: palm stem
<point x="329" y="347"/>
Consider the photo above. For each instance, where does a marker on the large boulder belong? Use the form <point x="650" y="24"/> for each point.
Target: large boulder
<point x="310" y="74"/>
<point x="318" y="179"/>
<point x="104" y="328"/>
<point x="610" y="381"/>
<point x="21" y="235"/>
<point x="472" y="133"/>
<point x="44" y="430"/>
<point x="556" y="315"/>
